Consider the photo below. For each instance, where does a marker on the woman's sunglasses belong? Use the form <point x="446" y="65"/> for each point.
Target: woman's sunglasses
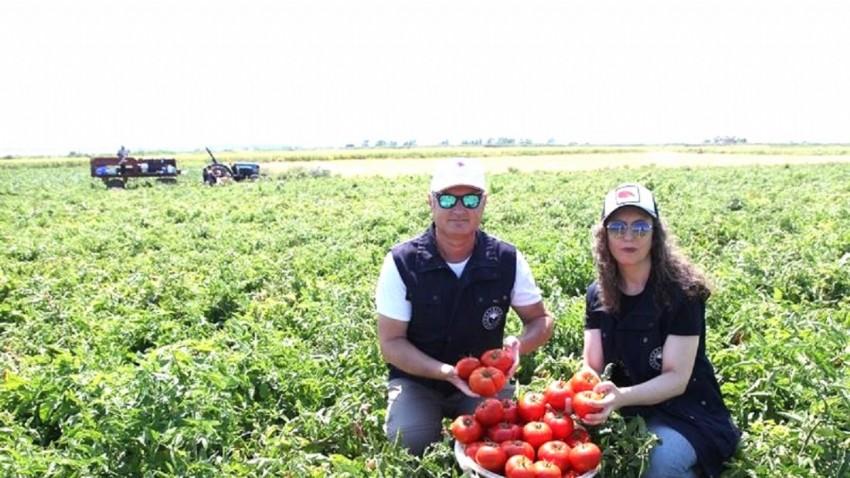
<point x="448" y="201"/>
<point x="620" y="228"/>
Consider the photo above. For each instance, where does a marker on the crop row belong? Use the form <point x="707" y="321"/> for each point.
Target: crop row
<point x="182" y="330"/>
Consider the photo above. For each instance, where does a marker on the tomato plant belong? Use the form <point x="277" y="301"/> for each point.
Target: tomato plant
<point x="466" y="429"/>
<point x="487" y="381"/>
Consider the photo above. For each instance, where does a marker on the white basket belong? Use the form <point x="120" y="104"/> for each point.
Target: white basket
<point x="471" y="468"/>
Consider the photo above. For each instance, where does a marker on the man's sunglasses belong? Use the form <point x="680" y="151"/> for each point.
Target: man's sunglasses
<point x="620" y="228"/>
<point x="448" y="201"/>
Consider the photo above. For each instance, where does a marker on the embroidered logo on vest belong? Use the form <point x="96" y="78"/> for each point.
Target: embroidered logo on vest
<point x="492" y="317"/>
<point x="655" y="359"/>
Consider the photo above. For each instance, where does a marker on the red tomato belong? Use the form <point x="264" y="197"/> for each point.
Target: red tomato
<point x="585" y="457"/>
<point x="519" y="466"/>
<point x="465" y="366"/>
<point x="486" y="381"/>
<point x="504" y="431"/>
<point x="491" y="457"/>
<point x="579" y="435"/>
<point x="466" y="429"/>
<point x="536" y="433"/>
<point x="518" y="447"/>
<point x="545" y="469"/>
<point x="531" y="406"/>
<point x="581" y="406"/>
<point x="510" y="412"/>
<point x="583" y="380"/>
<point x="557" y="452"/>
<point x="471" y="448"/>
<point x="499" y="358"/>
<point x="561" y="424"/>
<point x="559" y="394"/>
<point x="489" y="412"/>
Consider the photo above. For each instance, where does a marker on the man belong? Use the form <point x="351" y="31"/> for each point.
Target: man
<point x="445" y="295"/>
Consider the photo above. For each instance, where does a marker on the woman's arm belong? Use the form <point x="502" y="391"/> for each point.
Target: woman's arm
<point x="678" y="357"/>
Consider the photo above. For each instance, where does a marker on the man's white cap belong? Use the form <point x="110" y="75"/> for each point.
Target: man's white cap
<point x="458" y="172"/>
<point x="629" y="194"/>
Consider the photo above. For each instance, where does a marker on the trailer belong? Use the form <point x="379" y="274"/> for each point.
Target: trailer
<point x="115" y="171"/>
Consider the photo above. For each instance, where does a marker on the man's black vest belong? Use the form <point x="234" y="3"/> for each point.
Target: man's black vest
<point x="454" y="316"/>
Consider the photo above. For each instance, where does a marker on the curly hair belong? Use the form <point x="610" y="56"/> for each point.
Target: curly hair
<point x="670" y="269"/>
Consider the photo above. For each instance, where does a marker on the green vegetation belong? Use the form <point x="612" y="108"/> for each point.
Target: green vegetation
<point x="182" y="330"/>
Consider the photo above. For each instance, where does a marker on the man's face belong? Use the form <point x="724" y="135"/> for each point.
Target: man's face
<point x="458" y="219"/>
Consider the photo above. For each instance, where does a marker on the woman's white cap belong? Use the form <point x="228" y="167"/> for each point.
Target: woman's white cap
<point x="629" y="194"/>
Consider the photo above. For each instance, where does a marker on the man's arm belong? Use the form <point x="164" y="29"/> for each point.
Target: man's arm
<point x="398" y="351"/>
<point x="537" y="326"/>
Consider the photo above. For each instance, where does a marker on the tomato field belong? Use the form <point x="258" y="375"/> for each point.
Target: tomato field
<point x="183" y="330"/>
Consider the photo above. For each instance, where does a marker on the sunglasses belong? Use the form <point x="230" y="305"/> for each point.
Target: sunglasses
<point x="620" y="228"/>
<point x="448" y="201"/>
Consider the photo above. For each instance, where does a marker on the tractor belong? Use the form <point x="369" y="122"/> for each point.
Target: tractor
<point x="216" y="172"/>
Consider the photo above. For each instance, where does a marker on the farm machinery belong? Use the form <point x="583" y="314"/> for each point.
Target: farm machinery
<point x="115" y="171"/>
<point x="217" y="172"/>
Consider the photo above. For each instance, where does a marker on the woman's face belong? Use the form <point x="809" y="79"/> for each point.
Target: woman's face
<point x="630" y="236"/>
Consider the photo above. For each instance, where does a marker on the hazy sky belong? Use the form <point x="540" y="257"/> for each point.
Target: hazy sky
<point x="91" y="75"/>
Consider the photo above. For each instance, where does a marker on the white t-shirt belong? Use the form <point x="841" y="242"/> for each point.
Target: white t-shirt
<point x="391" y="292"/>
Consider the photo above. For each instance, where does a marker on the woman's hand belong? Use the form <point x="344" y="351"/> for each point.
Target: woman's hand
<point x="608" y="403"/>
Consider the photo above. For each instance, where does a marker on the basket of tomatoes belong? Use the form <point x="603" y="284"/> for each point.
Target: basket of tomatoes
<point x="537" y="435"/>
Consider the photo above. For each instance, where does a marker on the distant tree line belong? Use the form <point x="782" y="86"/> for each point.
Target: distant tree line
<point x="725" y="140"/>
<point x="491" y="142"/>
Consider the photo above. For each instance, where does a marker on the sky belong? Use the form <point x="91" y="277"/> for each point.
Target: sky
<point x="88" y="76"/>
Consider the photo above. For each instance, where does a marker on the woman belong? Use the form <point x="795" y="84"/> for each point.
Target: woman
<point x="645" y="314"/>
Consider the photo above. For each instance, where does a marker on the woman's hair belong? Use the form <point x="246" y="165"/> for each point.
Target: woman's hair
<point x="670" y="269"/>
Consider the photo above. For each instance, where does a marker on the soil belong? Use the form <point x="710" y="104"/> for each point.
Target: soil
<point x="567" y="162"/>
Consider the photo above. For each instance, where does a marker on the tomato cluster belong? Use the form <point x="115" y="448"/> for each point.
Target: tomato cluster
<point x="535" y="436"/>
<point x="486" y="375"/>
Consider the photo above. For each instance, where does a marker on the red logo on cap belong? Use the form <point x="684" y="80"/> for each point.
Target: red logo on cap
<point x="626" y="194"/>
<point x="460" y="163"/>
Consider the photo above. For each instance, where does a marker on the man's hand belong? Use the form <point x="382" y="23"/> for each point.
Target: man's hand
<point x="511" y="344"/>
<point x="451" y="376"/>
